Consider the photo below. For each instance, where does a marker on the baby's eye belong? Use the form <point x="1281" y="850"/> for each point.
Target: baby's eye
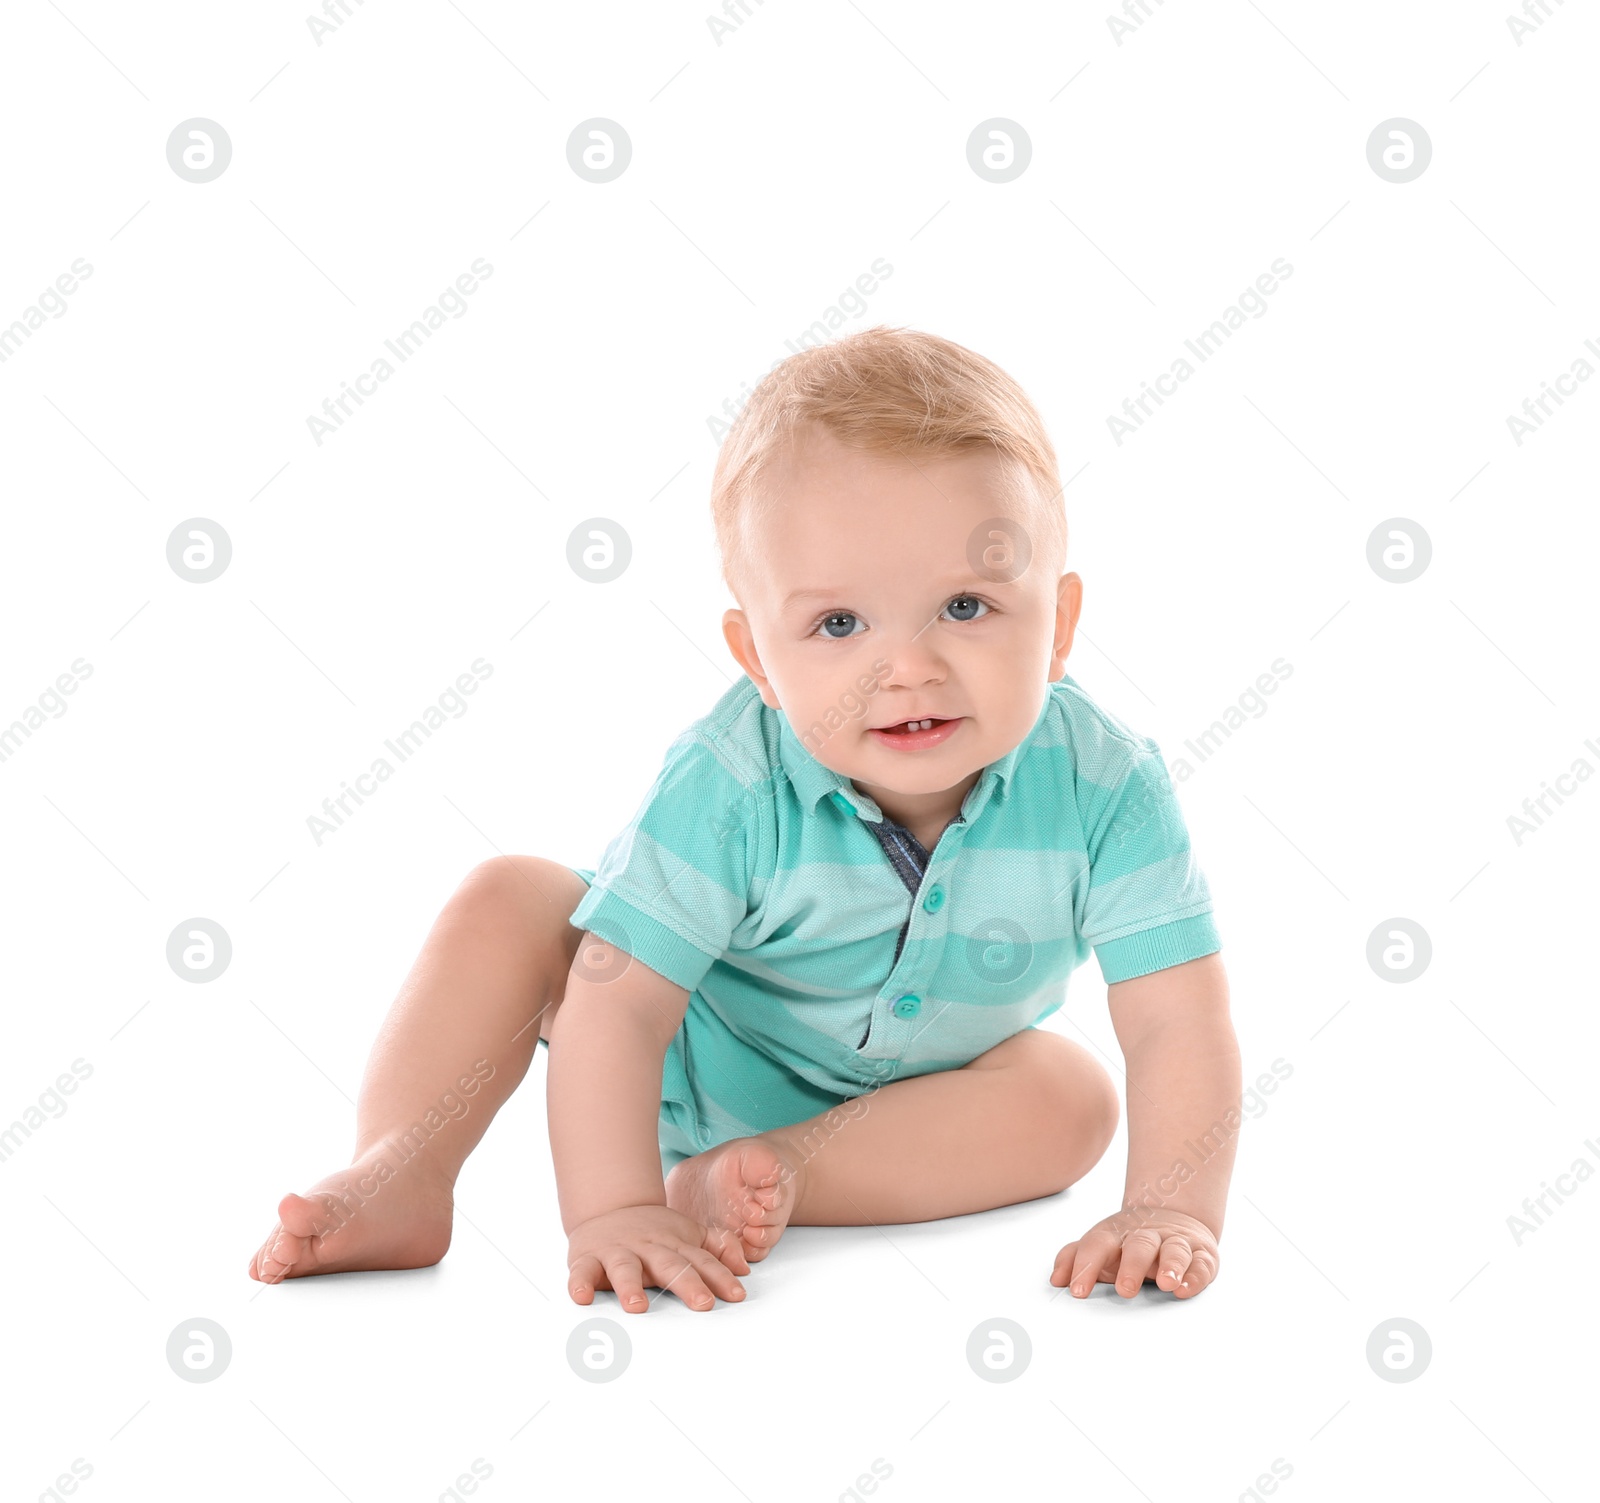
<point x="967" y="608"/>
<point x="846" y="621"/>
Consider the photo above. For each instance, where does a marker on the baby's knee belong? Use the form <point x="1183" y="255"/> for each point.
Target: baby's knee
<point x="490" y="881"/>
<point x="1100" y="1106"/>
<point x="521" y="904"/>
<point x="520" y="887"/>
<point x="1078" y="1107"/>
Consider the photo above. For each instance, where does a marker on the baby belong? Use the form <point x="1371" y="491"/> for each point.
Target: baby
<point x="804" y="984"/>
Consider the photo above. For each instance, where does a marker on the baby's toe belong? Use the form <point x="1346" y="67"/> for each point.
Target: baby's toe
<point x="760" y="1213"/>
<point x="279" y="1258"/>
<point x="301" y="1215"/>
<point x="258" y="1262"/>
<point x="258" y="1256"/>
<point x="762" y="1166"/>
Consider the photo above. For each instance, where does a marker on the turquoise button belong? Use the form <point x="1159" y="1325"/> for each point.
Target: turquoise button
<point x="935" y="899"/>
<point x="908" y="1007"/>
<point x="841" y="802"/>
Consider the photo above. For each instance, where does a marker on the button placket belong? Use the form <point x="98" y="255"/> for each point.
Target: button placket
<point x="898" y="1013"/>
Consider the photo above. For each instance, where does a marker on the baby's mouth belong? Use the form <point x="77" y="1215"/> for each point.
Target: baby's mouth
<point x="917" y="735"/>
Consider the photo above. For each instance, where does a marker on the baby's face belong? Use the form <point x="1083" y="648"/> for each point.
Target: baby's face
<point x="870" y="605"/>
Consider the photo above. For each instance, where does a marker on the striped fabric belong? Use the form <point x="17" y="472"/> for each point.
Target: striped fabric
<point x="825" y="952"/>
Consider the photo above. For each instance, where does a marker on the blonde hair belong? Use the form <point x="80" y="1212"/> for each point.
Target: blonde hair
<point x="898" y="393"/>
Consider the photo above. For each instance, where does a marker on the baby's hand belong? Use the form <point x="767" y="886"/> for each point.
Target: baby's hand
<point x="633" y="1246"/>
<point x="1175" y="1250"/>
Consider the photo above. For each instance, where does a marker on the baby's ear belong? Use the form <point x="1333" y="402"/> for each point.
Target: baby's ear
<point x="742" y="644"/>
<point x="1069" y="604"/>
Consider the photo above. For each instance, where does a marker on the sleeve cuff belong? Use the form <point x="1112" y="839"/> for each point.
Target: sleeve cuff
<point x="1156" y="949"/>
<point x="647" y="939"/>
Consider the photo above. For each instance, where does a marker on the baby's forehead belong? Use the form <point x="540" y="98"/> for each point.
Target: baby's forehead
<point x="829" y="516"/>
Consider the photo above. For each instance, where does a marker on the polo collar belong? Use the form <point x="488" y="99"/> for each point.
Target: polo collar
<point x="812" y="781"/>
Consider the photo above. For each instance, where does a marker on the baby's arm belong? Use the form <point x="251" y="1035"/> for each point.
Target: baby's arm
<point x="607" y="1045"/>
<point x="1183" y="1119"/>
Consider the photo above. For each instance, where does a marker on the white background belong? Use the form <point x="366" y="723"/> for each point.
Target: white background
<point x="768" y="173"/>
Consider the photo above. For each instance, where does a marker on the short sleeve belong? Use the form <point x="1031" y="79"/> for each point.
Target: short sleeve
<point x="672" y="887"/>
<point x="1146" y="905"/>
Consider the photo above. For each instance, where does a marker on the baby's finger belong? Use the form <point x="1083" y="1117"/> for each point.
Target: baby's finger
<point x="1093" y="1253"/>
<point x="583" y="1278"/>
<point x="1139" y="1251"/>
<point x="716" y="1273"/>
<point x="1201" y="1271"/>
<point x="1173" y="1261"/>
<point x="1061" y="1272"/>
<point x="726" y="1246"/>
<point x="672" y="1270"/>
<point x="626" y="1274"/>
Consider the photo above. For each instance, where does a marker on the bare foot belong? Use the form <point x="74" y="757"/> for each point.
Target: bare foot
<point x="741" y="1187"/>
<point x="381" y="1212"/>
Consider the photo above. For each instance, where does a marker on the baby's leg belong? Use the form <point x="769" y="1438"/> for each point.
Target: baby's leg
<point x="477" y="999"/>
<point x="1027" y="1118"/>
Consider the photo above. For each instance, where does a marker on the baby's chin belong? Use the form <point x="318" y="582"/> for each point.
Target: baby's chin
<point x="914" y="772"/>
